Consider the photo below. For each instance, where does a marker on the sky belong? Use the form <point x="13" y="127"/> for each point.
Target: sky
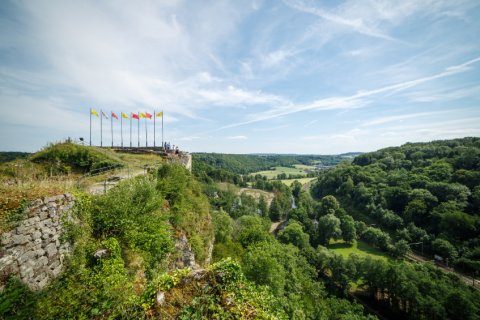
<point x="292" y="76"/>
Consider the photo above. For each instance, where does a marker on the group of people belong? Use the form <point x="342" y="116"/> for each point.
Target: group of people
<point x="170" y="148"/>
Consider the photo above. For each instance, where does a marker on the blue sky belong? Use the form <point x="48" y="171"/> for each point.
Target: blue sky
<point x="291" y="76"/>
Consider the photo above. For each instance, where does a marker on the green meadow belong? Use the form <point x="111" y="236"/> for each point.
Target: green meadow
<point x="298" y="169"/>
<point x="358" y="247"/>
<point x="303" y="181"/>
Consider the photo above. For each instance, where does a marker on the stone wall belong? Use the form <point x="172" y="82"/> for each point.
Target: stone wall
<point x="33" y="251"/>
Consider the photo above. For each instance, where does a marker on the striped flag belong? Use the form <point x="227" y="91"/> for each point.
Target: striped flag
<point x="103" y="114"/>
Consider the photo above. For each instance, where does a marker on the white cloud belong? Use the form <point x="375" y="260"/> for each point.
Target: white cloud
<point x="354" y="101"/>
<point x="402" y="117"/>
<point x="237" y="138"/>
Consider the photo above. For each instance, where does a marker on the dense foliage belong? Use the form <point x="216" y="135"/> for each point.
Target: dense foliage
<point x="123" y="240"/>
<point x="424" y="193"/>
<point x="10" y="156"/>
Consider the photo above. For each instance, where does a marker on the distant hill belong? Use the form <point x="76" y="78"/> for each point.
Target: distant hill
<point x="11" y="155"/>
<point x="248" y="163"/>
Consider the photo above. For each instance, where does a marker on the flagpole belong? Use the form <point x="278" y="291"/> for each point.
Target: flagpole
<point x="130" y="129"/>
<point x="162" y="127"/>
<point x="121" y="129"/>
<point x="138" y="131"/>
<point x="146" y="138"/>
<point x="111" y="126"/>
<point x="90" y="127"/>
<point x="154" y="116"/>
<point x="101" y="128"/>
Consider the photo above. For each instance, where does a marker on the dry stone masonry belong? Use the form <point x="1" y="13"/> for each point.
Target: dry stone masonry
<point x="33" y="251"/>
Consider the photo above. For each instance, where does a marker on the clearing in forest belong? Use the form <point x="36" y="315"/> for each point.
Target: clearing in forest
<point x="298" y="169"/>
<point x="358" y="247"/>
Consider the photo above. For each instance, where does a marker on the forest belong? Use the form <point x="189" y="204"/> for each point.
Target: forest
<point x="419" y="192"/>
<point x="248" y="163"/>
<point x="274" y="245"/>
<point x="420" y="197"/>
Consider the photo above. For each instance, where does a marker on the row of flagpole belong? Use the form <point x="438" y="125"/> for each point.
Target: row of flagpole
<point x="136" y="116"/>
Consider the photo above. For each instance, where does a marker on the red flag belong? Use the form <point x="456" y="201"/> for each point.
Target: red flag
<point x="148" y="115"/>
<point x="135" y="116"/>
<point x="114" y="115"/>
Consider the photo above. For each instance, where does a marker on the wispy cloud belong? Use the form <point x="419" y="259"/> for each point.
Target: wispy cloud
<point x="388" y="119"/>
<point x="237" y="138"/>
<point x="356" y="100"/>
<point x="444" y="95"/>
<point x="356" y="25"/>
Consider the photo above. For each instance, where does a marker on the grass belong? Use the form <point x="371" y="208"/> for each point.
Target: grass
<point x="303" y="181"/>
<point x="358" y="247"/>
<point x="299" y="169"/>
<point x="44" y="173"/>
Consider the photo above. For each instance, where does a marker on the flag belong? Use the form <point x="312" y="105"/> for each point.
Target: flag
<point x="124" y="116"/>
<point x="94" y="112"/>
<point x="135" y="116"/>
<point x="142" y="115"/>
<point x="159" y="114"/>
<point x="114" y="115"/>
<point x="103" y="114"/>
<point x="148" y="115"/>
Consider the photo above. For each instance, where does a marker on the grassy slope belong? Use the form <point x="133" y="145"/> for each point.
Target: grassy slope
<point x="24" y="180"/>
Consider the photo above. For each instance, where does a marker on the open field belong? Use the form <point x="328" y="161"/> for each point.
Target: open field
<point x="358" y="247"/>
<point x="303" y="181"/>
<point x="299" y="169"/>
<point x="256" y="193"/>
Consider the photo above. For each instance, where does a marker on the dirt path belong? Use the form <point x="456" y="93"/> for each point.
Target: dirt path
<point x="101" y="187"/>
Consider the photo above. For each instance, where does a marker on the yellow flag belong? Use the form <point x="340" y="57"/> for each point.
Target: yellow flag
<point x="124" y="116"/>
<point x="94" y="112"/>
<point x="159" y="114"/>
<point x="142" y="115"/>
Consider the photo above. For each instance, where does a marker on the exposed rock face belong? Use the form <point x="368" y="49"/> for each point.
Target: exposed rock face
<point x="210" y="252"/>
<point x="183" y="158"/>
<point x="33" y="251"/>
<point x="187" y="257"/>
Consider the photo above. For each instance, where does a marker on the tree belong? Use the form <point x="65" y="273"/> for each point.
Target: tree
<point x="275" y="211"/>
<point x="397" y="198"/>
<point x="223" y="226"/>
<point x="329" y="227"/>
<point x="263" y="206"/>
<point x="458" y="224"/>
<point x="416" y="210"/>
<point x="296" y="189"/>
<point x="328" y="205"/>
<point x="347" y="224"/>
<point x="294" y="234"/>
<point x="444" y="248"/>
<point x="400" y="249"/>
